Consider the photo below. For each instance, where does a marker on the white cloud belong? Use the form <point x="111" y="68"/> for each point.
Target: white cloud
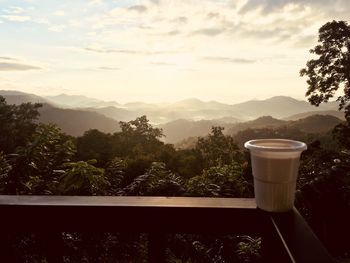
<point x="16" y="18"/>
<point x="14" y="10"/>
<point x="9" y="66"/>
<point x="95" y="2"/>
<point x="59" y="13"/>
<point x="56" y="28"/>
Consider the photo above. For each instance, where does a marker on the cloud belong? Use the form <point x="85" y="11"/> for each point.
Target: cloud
<point x="16" y="18"/>
<point x="138" y="8"/>
<point x="208" y="31"/>
<point x="180" y="20"/>
<point x="14" y="10"/>
<point x="306" y="41"/>
<point x="268" y="6"/>
<point x="59" y="13"/>
<point x="7" y="58"/>
<point x="162" y="64"/>
<point x="129" y="51"/>
<point x="108" y="68"/>
<point x="230" y="60"/>
<point x="126" y="51"/>
<point x="56" y="28"/>
<point x="155" y="2"/>
<point x="173" y="32"/>
<point x="95" y="2"/>
<point x="6" y="66"/>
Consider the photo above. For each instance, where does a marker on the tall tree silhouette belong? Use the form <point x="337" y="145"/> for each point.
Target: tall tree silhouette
<point x="331" y="70"/>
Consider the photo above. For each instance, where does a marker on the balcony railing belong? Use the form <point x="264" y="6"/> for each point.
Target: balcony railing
<point x="285" y="236"/>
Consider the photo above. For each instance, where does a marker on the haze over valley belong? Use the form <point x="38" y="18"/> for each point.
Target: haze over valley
<point x="182" y="119"/>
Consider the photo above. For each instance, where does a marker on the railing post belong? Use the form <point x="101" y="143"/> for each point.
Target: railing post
<point x="156" y="247"/>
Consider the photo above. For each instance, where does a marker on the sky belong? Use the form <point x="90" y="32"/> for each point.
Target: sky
<point x="161" y="50"/>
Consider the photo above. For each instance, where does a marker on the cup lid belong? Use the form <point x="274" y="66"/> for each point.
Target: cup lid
<point x="275" y="145"/>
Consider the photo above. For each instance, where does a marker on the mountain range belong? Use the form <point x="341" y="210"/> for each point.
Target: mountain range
<point x="193" y="109"/>
<point x="179" y="120"/>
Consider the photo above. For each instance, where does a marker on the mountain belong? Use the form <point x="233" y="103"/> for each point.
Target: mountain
<point x="76" y="122"/>
<point x="339" y="114"/>
<point x="179" y="120"/>
<point x="261" y="122"/>
<point x="279" y="107"/>
<point x="78" y="101"/>
<point x="196" y="104"/>
<point x="178" y="130"/>
<point x="315" y="123"/>
<point x="116" y="113"/>
<point x="184" y="132"/>
<point x="193" y="109"/>
<point x="18" y="97"/>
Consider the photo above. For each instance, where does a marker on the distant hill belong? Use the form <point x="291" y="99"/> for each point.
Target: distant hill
<point x="315" y="123"/>
<point x="279" y="107"/>
<point x="178" y="130"/>
<point x="119" y="114"/>
<point x="261" y="122"/>
<point x="196" y="104"/>
<point x="339" y="114"/>
<point x="76" y="122"/>
<point x="18" y="97"/>
<point x="78" y="101"/>
<point x="182" y="119"/>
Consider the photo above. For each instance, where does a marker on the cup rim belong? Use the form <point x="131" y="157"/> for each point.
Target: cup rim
<point x="291" y="145"/>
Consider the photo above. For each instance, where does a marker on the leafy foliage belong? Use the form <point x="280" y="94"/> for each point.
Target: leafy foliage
<point x="94" y="145"/>
<point x="324" y="195"/>
<point x="82" y="178"/>
<point x="5" y="168"/>
<point x="330" y="71"/>
<point x="17" y="124"/>
<point x="35" y="165"/>
<point x="157" y="181"/>
<point x="224" y="180"/>
<point x="217" y="148"/>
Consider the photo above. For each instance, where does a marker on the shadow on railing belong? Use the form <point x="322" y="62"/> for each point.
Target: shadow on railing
<point x="285" y="236"/>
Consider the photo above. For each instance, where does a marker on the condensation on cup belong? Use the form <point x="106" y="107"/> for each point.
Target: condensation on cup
<point x="275" y="164"/>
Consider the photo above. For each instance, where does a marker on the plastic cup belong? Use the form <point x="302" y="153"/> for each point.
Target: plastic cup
<point x="275" y="164"/>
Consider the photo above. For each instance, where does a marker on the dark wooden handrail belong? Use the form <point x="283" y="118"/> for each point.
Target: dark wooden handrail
<point x="285" y="236"/>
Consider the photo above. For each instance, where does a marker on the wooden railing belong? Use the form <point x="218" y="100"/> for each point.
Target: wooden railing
<point x="285" y="236"/>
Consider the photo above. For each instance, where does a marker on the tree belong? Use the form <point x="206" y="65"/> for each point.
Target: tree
<point x="5" y="168"/>
<point x="35" y="165"/>
<point x="226" y="180"/>
<point x="140" y="134"/>
<point x="95" y="145"/>
<point x="331" y="70"/>
<point x="82" y="178"/>
<point x="17" y="124"/>
<point x="114" y="173"/>
<point x="139" y="145"/>
<point x="326" y="197"/>
<point x="217" y="148"/>
<point x="157" y="181"/>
